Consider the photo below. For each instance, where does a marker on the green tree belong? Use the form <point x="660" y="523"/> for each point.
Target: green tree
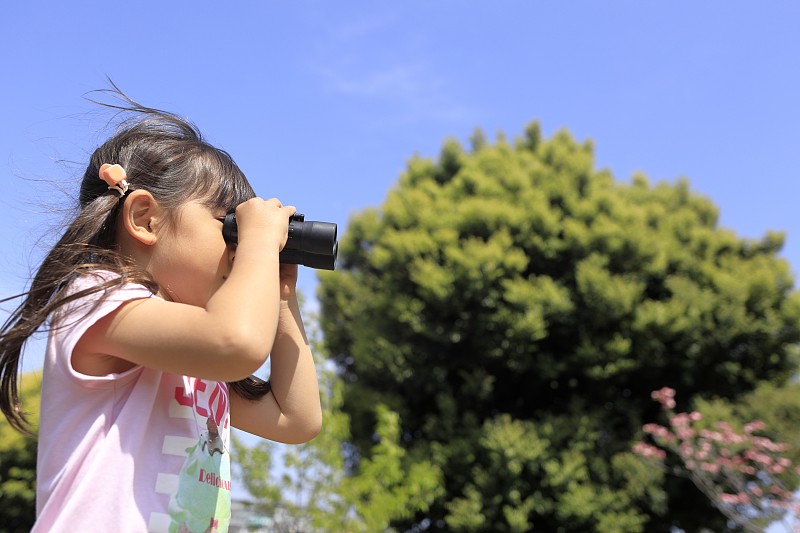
<point x="323" y="486"/>
<point x="516" y="306"/>
<point x="18" y="464"/>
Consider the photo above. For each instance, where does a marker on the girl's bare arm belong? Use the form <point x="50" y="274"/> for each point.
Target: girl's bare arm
<point x="291" y="411"/>
<point x="227" y="340"/>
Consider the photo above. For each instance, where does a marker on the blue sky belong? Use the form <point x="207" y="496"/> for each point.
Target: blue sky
<point x="322" y="103"/>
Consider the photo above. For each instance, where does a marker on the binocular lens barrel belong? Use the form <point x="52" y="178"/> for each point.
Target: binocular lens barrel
<point x="310" y="243"/>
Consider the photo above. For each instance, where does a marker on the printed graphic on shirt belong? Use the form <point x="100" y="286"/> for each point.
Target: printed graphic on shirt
<point x="200" y="495"/>
<point x="203" y="502"/>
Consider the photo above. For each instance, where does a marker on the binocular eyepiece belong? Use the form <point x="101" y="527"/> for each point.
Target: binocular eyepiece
<point x="310" y="243"/>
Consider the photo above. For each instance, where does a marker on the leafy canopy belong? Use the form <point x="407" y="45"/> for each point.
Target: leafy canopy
<point x="514" y="293"/>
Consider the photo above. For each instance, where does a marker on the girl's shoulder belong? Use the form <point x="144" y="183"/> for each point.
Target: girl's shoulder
<point x="104" y="282"/>
<point x="90" y="289"/>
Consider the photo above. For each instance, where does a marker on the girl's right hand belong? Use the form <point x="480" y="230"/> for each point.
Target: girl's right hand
<point x="267" y="220"/>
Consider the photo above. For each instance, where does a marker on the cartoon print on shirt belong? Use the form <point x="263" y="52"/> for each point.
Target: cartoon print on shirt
<point x="202" y="503"/>
<point x="212" y="527"/>
<point x="213" y="442"/>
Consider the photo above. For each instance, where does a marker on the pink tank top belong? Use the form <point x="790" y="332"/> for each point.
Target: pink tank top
<point x="143" y="450"/>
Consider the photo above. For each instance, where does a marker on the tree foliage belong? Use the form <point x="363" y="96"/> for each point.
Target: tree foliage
<point x="516" y="306"/>
<point x="320" y="486"/>
<point x="18" y="464"/>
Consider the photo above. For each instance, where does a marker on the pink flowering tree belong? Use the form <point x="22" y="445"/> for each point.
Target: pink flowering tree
<point x="743" y="472"/>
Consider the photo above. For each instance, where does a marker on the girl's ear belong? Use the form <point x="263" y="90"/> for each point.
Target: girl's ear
<point x="141" y="215"/>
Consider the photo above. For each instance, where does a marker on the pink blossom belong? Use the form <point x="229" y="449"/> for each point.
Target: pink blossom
<point x="758" y="457"/>
<point x="651" y="428"/>
<point x="686" y="449"/>
<point x="767" y="444"/>
<point x="712" y="435"/>
<point x="647" y="450"/>
<point x="720" y="459"/>
<point x="682" y="423"/>
<point x="657" y="431"/>
<point x="663" y="392"/>
<point x="731" y="499"/>
<point x="755" y="425"/>
<point x="780" y="492"/>
<point x="777" y="469"/>
<point x="665" y="396"/>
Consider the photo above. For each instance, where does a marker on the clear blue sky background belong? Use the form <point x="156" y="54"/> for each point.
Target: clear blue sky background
<point x="322" y="102"/>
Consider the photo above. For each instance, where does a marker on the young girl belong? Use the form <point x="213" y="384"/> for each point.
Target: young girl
<point x="155" y="327"/>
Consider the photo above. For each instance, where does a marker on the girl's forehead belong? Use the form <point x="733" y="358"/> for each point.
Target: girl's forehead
<point x="193" y="210"/>
<point x="221" y="197"/>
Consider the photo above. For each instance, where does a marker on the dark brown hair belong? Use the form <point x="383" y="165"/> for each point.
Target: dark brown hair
<point x="161" y="153"/>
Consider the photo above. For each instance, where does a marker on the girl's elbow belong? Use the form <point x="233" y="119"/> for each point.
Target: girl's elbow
<point x="314" y="428"/>
<point x="307" y="429"/>
<point x="306" y="435"/>
<point x="245" y="356"/>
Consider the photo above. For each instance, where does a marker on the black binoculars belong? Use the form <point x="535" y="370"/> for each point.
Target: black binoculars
<point x="310" y="243"/>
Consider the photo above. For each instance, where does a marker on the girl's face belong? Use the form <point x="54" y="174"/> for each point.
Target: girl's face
<point x="191" y="259"/>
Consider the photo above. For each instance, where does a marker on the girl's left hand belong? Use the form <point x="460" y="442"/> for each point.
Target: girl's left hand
<point x="288" y="281"/>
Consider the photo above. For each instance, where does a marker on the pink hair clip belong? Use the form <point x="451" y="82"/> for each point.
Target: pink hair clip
<point x="115" y="176"/>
